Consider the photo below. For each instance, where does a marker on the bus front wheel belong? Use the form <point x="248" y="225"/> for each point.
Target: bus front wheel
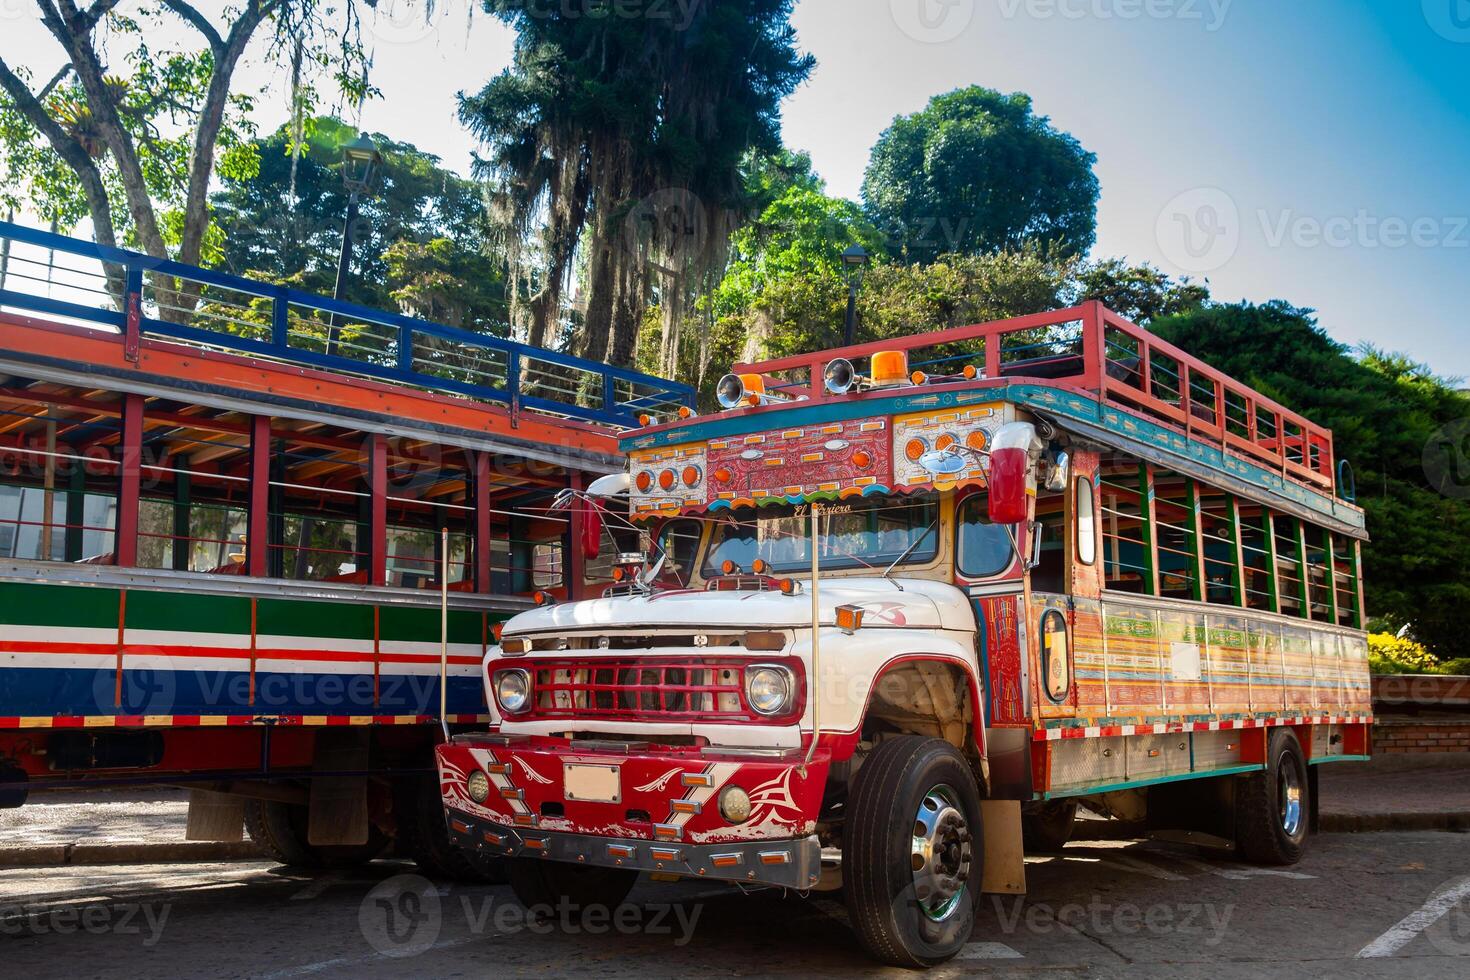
<point x="912" y="852"/>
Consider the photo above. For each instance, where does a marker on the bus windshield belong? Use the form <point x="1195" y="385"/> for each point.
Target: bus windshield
<point x="867" y="534"/>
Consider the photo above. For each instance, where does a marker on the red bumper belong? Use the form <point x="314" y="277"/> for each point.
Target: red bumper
<point x="628" y="791"/>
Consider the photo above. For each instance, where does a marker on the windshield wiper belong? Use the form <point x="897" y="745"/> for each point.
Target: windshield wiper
<point x="908" y="551"/>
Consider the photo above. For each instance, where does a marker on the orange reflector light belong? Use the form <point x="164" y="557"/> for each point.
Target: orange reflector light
<point x="915" y="448"/>
<point x="543" y="598"/>
<point x="729" y="567"/>
<point x="889" y="367"/>
<point x="460" y="827"/>
<point x="498" y="769"/>
<point x="496" y="629"/>
<point x="691" y="475"/>
<point x="685" y="806"/>
<point x="619" y="574"/>
<point x="492" y="839"/>
<point x="697" y="779"/>
<point x="787" y="586"/>
<point x="849" y="618"/>
<point x="969" y="372"/>
<point x="918" y="377"/>
<point x="759" y="566"/>
<point x="645" y="419"/>
<point x="516" y="644"/>
<point x="535" y="844"/>
<point x="723" y="475"/>
<point x="945" y="441"/>
<point x="977" y="440"/>
<point x="666" y="479"/>
<point x="775" y="857"/>
<point x="862" y="459"/>
<point x="685" y="412"/>
<point x="644" y="481"/>
<point x="725" y="860"/>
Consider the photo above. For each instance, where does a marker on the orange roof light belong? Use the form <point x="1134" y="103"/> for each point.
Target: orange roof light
<point x="729" y="567"/>
<point x="969" y="372"/>
<point x="889" y="367"/>
<point x="918" y="377"/>
<point x="759" y="566"/>
<point x="685" y="412"/>
<point x="645" y="419"/>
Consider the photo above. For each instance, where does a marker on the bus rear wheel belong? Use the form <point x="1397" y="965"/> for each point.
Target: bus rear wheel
<point x="1273" y="806"/>
<point x="280" y="830"/>
<point x="423" y="834"/>
<point x="912" y="852"/>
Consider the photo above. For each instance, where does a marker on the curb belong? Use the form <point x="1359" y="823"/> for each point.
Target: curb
<point x="54" y="855"/>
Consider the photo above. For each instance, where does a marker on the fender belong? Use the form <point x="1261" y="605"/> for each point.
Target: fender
<point x="844" y="717"/>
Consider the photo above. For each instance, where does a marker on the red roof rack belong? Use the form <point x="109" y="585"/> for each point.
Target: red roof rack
<point x="1092" y="349"/>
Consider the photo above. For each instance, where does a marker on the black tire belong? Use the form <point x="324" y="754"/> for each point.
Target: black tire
<point x="279" y="829"/>
<point x="423" y="834"/>
<point x="1047" y="829"/>
<point x="903" y="915"/>
<point x="1273" y="807"/>
<point x="543" y="885"/>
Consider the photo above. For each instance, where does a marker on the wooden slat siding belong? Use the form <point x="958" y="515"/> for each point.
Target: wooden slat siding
<point x="1200" y="592"/>
<point x="257" y="540"/>
<point x="125" y="548"/>
<point x="1238" y="571"/>
<point x="1304" y="584"/>
<point x="1359" y="614"/>
<point x="378" y="519"/>
<point x="1273" y="583"/>
<point x="1329" y="562"/>
<point x="1149" y="520"/>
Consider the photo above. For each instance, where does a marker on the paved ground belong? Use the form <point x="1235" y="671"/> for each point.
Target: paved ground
<point x="1105" y="909"/>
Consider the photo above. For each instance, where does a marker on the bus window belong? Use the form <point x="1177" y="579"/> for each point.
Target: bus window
<point x="679" y="540"/>
<point x="1051" y="524"/>
<point x="984" y="548"/>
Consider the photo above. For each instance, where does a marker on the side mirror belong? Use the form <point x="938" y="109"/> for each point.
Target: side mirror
<point x="612" y="485"/>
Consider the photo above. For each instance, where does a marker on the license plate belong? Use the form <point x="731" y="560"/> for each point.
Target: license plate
<point x="592" y="784"/>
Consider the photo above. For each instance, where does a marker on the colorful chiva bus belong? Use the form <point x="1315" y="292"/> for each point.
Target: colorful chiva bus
<point x="908" y="605"/>
<point x="244" y="531"/>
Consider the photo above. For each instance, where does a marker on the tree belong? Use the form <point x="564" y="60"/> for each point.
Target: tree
<point x="1384" y="410"/>
<point x="620" y="140"/>
<point x="1141" y="293"/>
<point x="421" y="242"/>
<point x="976" y="171"/>
<point x="137" y="151"/>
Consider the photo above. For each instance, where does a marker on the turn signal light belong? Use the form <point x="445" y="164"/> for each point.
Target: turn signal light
<point x="918" y="377"/>
<point x="787" y="586"/>
<point x="619" y="574"/>
<point x="645" y="419"/>
<point x="849" y="618"/>
<point x="685" y="412"/>
<point x="889" y="367"/>
<point x="760" y="566"/>
<point x="543" y="598"/>
<point x="495" y="630"/>
<point x="969" y="372"/>
<point x="729" y="567"/>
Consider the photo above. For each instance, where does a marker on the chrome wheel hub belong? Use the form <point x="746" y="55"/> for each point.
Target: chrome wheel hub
<point x="942" y="853"/>
<point x="1289" y="797"/>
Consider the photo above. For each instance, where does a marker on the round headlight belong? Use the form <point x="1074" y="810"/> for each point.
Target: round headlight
<point x="769" y="689"/>
<point x="735" y="804"/>
<point x="513" y="690"/>
<point x="479" y="786"/>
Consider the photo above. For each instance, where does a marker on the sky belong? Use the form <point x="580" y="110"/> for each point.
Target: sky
<point x="1312" y="150"/>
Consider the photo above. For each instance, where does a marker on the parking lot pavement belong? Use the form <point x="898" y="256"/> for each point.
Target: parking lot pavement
<point x="1395" y="905"/>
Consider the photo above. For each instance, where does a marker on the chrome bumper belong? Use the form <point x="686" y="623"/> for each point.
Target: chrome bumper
<point x="793" y="863"/>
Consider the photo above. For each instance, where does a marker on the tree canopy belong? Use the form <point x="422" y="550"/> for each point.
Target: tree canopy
<point x="978" y="171"/>
<point x="615" y="144"/>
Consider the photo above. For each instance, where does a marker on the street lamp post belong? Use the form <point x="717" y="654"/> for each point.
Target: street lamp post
<point x="361" y="163"/>
<point x="856" y="259"/>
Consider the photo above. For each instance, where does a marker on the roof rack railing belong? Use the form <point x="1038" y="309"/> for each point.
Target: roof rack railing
<point x="1094" y="349"/>
<point x="142" y="297"/>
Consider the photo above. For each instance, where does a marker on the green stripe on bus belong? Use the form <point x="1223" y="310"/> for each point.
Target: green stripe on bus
<point x="79" y="607"/>
<point x="188" y="611"/>
<point x="336" y="620"/>
<point x="401" y="624"/>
